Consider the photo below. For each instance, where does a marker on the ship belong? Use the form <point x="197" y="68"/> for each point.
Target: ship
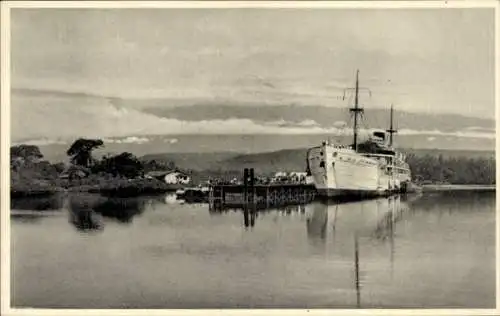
<point x="362" y="169"/>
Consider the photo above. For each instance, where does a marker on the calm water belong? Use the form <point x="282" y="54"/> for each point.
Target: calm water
<point x="436" y="250"/>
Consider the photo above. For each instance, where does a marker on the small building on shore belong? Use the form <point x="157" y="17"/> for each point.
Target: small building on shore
<point x="73" y="172"/>
<point x="170" y="177"/>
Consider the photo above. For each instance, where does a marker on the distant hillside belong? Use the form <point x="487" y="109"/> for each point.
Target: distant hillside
<point x="270" y="162"/>
<point x="194" y="161"/>
<point x="281" y="160"/>
<point x="452" y="153"/>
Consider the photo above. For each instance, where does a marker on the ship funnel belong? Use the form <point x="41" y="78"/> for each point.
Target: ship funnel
<point x="380" y="137"/>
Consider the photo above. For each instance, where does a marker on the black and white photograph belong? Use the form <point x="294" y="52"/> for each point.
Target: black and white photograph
<point x="234" y="155"/>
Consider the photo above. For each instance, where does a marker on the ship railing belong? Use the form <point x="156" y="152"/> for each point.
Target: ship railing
<point x="378" y="155"/>
<point x="337" y="146"/>
<point x="399" y="168"/>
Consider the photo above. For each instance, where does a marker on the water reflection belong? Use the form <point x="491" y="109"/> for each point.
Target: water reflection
<point x="385" y="226"/>
<point x="317" y="223"/>
<point x="81" y="213"/>
<point x="33" y="209"/>
<point x="370" y="218"/>
<point x="249" y="216"/>
<point x="292" y="209"/>
<point x="87" y="211"/>
<point x="299" y="257"/>
<point x="54" y="202"/>
<point x="122" y="209"/>
<point x="170" y="198"/>
<point x="85" y="219"/>
<point x="348" y="230"/>
<point x="452" y="201"/>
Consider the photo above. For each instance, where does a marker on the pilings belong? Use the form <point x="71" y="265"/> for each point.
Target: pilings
<point x="260" y="196"/>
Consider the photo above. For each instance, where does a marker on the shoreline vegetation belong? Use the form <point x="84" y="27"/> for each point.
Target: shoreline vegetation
<point x="123" y="175"/>
<point x="457" y="187"/>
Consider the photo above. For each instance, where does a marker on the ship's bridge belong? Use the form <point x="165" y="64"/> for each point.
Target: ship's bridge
<point x="379" y="137"/>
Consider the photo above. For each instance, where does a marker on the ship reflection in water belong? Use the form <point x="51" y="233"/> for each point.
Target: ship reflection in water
<point x="346" y="226"/>
<point x="397" y="252"/>
<point x="371" y="218"/>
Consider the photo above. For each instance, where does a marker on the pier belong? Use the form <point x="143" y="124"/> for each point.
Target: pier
<point x="261" y="196"/>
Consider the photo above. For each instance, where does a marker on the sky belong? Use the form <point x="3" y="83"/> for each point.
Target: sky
<point x="422" y="60"/>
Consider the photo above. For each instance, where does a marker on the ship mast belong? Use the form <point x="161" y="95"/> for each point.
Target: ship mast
<point x="357" y="111"/>
<point x="391" y="129"/>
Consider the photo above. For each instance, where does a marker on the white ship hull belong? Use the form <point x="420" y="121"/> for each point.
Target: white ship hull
<point x="340" y="171"/>
<point x="376" y="169"/>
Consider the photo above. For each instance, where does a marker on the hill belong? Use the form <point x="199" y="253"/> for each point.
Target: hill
<point x="193" y="161"/>
<point x="281" y="160"/>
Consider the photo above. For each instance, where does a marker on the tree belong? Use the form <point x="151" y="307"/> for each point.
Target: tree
<point x="59" y="167"/>
<point x="154" y="165"/>
<point x="124" y="164"/>
<point x="171" y="165"/>
<point x="81" y="151"/>
<point x="26" y="152"/>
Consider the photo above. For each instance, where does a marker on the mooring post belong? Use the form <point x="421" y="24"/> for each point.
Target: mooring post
<point x="245" y="186"/>
<point x="252" y="185"/>
<point x="267" y="196"/>
<point x="222" y="196"/>
<point x="253" y="199"/>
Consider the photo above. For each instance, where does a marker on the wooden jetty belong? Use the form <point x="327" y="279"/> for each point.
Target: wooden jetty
<point x="261" y="196"/>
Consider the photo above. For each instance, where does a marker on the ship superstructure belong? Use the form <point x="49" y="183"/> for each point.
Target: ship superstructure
<point x="362" y="169"/>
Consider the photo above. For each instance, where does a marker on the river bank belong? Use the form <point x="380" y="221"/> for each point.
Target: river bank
<point x="111" y="187"/>
<point x="137" y="187"/>
<point x="458" y="187"/>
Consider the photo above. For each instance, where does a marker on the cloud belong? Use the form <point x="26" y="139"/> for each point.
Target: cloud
<point x="478" y="128"/>
<point x="128" y="140"/>
<point x="45" y="118"/>
<point x="40" y="142"/>
<point x="171" y="140"/>
<point x="283" y="123"/>
<point x="307" y="123"/>
<point x="465" y="133"/>
<point x="199" y="52"/>
<point x="340" y="124"/>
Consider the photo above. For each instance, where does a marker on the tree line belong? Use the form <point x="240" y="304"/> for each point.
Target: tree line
<point x="27" y="163"/>
<point x="452" y="170"/>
